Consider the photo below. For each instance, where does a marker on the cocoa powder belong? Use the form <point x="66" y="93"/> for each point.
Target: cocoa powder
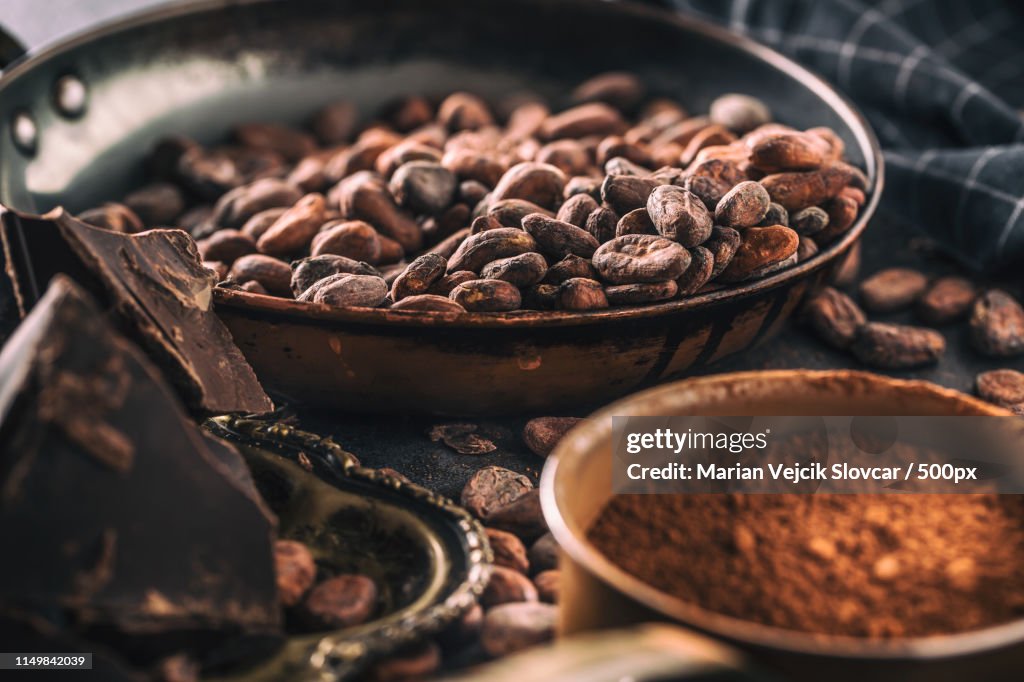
<point x="874" y="566"/>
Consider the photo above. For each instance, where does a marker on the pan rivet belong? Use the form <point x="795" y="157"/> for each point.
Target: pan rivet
<point x="24" y="132"/>
<point x="70" y="95"/>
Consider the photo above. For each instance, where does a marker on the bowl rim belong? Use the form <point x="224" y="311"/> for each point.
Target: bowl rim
<point x="299" y="311"/>
<point x="745" y="632"/>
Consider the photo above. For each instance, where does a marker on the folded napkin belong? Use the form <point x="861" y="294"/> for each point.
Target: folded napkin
<point x="942" y="83"/>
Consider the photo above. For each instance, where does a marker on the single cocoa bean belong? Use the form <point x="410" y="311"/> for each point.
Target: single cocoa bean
<point x="256" y="226"/>
<point x="480" y="249"/>
<point x="295" y="569"/>
<point x="581" y="294"/>
<point x="679" y="215"/>
<point x="464" y="111"/>
<point x="723" y="244"/>
<point x="596" y="118"/>
<point x="523" y="270"/>
<point x="351" y="291"/>
<point x="1004" y="387"/>
<point x="156" y="204"/>
<point x="353" y="239"/>
<point x="808" y="249"/>
<point x="295" y="228"/>
<point x="583" y="185"/>
<point x="895" y="346"/>
<point x="569" y="156"/>
<point x="542" y="434"/>
<point x="834" y="317"/>
<point x="423" y="186"/>
<point x="538" y="183"/>
<point x="602" y="223"/>
<point x="473" y="165"/>
<point x="275" y="275"/>
<point x="799" y="190"/>
<point x="636" y="222"/>
<point x="625" y="193"/>
<point x="507" y="586"/>
<point x="225" y="246"/>
<point x="739" y="113"/>
<point x="569" y="267"/>
<point x="513" y="627"/>
<point x="745" y="205"/>
<point x="892" y="289"/>
<point x="760" y="248"/>
<point x="640" y="258"/>
<point x="577" y="209"/>
<point x="842" y="214"/>
<point x="543" y="554"/>
<point x="522" y="516"/>
<point x="702" y="267"/>
<point x="559" y="239"/>
<point x="776" y="215"/>
<point x="428" y="303"/>
<point x="487" y="296"/>
<point x="997" y="325"/>
<point x="709" y="136"/>
<point x="709" y="190"/>
<point x="619" y="89"/>
<point x="445" y="285"/>
<point x="510" y="212"/>
<point x="947" y="300"/>
<point x="492" y="487"/>
<point x="509" y="551"/>
<point x="339" y="602"/>
<point x="308" y="271"/>
<point x="418" y="276"/>
<point x="789" y="152"/>
<point x="646" y="292"/>
<point x="810" y="221"/>
<point x="308" y="174"/>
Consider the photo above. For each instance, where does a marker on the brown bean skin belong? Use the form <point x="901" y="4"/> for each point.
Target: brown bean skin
<point x="799" y="190"/>
<point x="351" y="291"/>
<point x="308" y="271"/>
<point x="1004" y="387"/>
<point x="581" y="294"/>
<point x="640" y="258"/>
<point x="418" y="277"/>
<point x="636" y="222"/>
<point x="480" y="249"/>
<point x="602" y="223"/>
<point x="761" y="248"/>
<point x="295" y="228"/>
<point x="679" y="215"/>
<point x="997" y="325"/>
<point x="363" y="196"/>
<point x="646" y="292"/>
<point x="625" y="193"/>
<point x="745" y="205"/>
<point x="487" y="296"/>
<point x="700" y="272"/>
<point x="538" y="183"/>
<point x="892" y="289"/>
<point x="739" y="113"/>
<point x="584" y="120"/>
<point x="353" y="239"/>
<point x="510" y="212"/>
<point x="577" y="209"/>
<point x="894" y="346"/>
<point x="428" y="303"/>
<point x="947" y="300"/>
<point x="444" y="286"/>
<point x="559" y="239"/>
<point x="789" y="152"/>
<point x="464" y="111"/>
<point x="542" y="434"/>
<point x="338" y="602"/>
<point x="225" y="246"/>
<point x="275" y="275"/>
<point x="523" y="270"/>
<point x="569" y="267"/>
<point x="834" y="317"/>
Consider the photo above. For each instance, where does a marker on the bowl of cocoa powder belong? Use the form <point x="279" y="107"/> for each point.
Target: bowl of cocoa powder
<point x="920" y="586"/>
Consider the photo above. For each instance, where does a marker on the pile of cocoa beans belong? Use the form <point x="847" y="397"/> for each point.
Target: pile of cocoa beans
<point x="451" y="204"/>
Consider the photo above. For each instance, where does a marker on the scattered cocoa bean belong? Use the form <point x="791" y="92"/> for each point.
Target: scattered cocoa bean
<point x="423" y="186"/>
<point x="273" y="274"/>
<point x="257" y="225"/>
<point x="798" y="190"/>
<point x="510" y="212"/>
<point x="947" y="300"/>
<point x="577" y="209"/>
<point x="569" y="156"/>
<point x="351" y="291"/>
<point x="625" y="193"/>
<point x="580" y="293"/>
<point x="542" y="434"/>
<point x="809" y="221"/>
<point x="509" y="551"/>
<point x="462" y="438"/>
<point x="745" y="205"/>
<point x="834" y="317"/>
<point x="418" y="276"/>
<point x="558" y="239"/>
<point x="997" y="325"/>
<point x="793" y="151"/>
<point x="487" y="296"/>
<point x="640" y="258"/>
<point x="894" y="346"/>
<point x="538" y="183"/>
<point x="482" y="248"/>
<point x="523" y="270"/>
<point x="679" y="215"/>
<point x="596" y="118"/>
<point x="493" y="487"/>
<point x="295" y="228"/>
<point x="776" y="215"/>
<point x="892" y="289"/>
<point x="602" y="223"/>
<point x="636" y="222"/>
<point x="353" y="239"/>
<point x="225" y="246"/>
<point x="1004" y="387"/>
<point x="760" y="248"/>
<point x="307" y="271"/>
<point x="709" y="190"/>
<point x="295" y="570"/>
<point x="522" y="516"/>
<point x="339" y="602"/>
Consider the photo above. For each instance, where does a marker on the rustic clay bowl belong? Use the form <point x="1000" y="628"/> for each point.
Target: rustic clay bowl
<point x="576" y="483"/>
<point x="210" y="64"/>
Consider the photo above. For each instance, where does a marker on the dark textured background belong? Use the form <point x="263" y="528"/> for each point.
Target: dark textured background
<point x="402" y="442"/>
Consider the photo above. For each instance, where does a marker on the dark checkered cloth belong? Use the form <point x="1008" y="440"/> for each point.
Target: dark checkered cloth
<point x="942" y="82"/>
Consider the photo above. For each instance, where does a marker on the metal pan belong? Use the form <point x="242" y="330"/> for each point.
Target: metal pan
<point x="76" y="119"/>
<point x="597" y="594"/>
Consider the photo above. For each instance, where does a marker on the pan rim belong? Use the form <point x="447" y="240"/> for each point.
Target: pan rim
<point x="295" y="311"/>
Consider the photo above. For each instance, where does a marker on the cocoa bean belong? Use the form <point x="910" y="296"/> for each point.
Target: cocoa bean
<point x="351" y="291"/>
<point x="156" y="204"/>
<point x="808" y="249"/>
<point x="513" y="627"/>
<point x="428" y="303"/>
<point x="492" y="487"/>
<point x="275" y="275"/>
<point x="542" y="434"/>
<point x="295" y="570"/>
<point x="486" y="296"/>
<point x="596" y="119"/>
<point x="526" y="118"/>
<point x="464" y="111"/>
<point x="353" y="239"/>
<point x="293" y="231"/>
<point x="541" y="297"/>
<point x="745" y="205"/>
<point x="583" y="185"/>
<point x="450" y="244"/>
<point x="679" y="215"/>
<point x="602" y="223"/>
<point x="480" y="249"/>
<point x="647" y="292"/>
<point x="402" y="153"/>
<point x="619" y="89"/>
<point x="680" y="133"/>
<point x="391" y="252"/>
<point x="507" y="586"/>
<point x="895" y="346"/>
<point x="114" y="217"/>
<point x="569" y="267"/>
<point x="699" y="273"/>
<point x="577" y="209"/>
<point x="418" y="276"/>
<point x="522" y="516"/>
<point x="363" y="196"/>
<point x="640" y="258"/>
<point x="257" y="225"/>
<point x="799" y="190"/>
<point x="472" y="192"/>
<point x="810" y="221"/>
<point x="509" y="551"/>
<point x="623" y="166"/>
<point x="834" y="143"/>
<point x="237" y="206"/>
<point x="712" y="135"/>
<point x="1004" y="387"/>
<point x="776" y="215"/>
<point x="523" y="270"/>
<point x="289" y="143"/>
<point x="339" y="602"/>
<point x="723" y="244"/>
<point x="308" y="174"/>
<point x="789" y="152"/>
<point x="579" y="293"/>
<point x="947" y="300"/>
<point x="569" y="156"/>
<point x="445" y="285"/>
<point x="543" y="554"/>
<point x="709" y="190"/>
<point x="308" y="271"/>
<point x="335" y="123"/>
<point x="739" y="113"/>
<point x="892" y="289"/>
<point x="636" y="222"/>
<point x="548" y="586"/>
<point x="842" y="214"/>
<point x="559" y="239"/>
<point x="225" y="246"/>
<point x="510" y="212"/>
<point x="208" y="174"/>
<point x="423" y="186"/>
<point x="538" y="183"/>
<point x="760" y="248"/>
<point x="625" y="193"/>
<point x="472" y="165"/>
<point x="253" y="287"/>
<point x="997" y="325"/>
<point x="834" y="317"/>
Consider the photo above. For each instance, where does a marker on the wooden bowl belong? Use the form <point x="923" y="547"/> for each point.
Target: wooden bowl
<point x="597" y="594"/>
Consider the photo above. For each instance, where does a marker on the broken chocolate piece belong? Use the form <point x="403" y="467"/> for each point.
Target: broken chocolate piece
<point x="160" y="291"/>
<point x="130" y="529"/>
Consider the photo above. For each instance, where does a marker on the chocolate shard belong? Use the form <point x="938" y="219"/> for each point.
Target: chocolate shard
<point x="125" y="525"/>
<point x="161" y="294"/>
